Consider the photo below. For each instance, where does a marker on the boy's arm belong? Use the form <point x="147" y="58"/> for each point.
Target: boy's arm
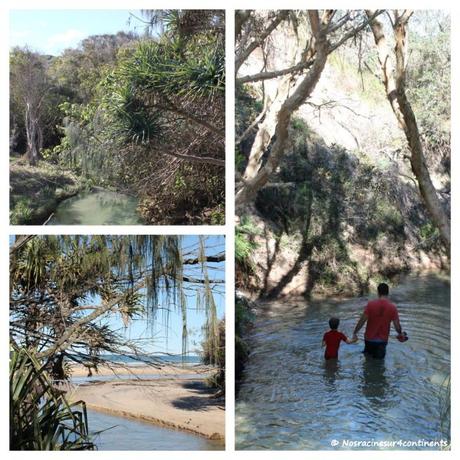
<point x="348" y="340"/>
<point x="323" y="343"/>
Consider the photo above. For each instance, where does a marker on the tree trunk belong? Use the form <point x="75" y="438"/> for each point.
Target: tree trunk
<point x="266" y="130"/>
<point x="34" y="136"/>
<point x="253" y="184"/>
<point x="394" y="80"/>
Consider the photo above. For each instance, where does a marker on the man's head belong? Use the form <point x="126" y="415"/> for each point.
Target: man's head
<point x="383" y="289"/>
<point x="334" y="323"/>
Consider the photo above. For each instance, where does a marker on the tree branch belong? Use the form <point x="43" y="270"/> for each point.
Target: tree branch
<point x="245" y="53"/>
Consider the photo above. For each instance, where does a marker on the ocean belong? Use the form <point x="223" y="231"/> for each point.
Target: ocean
<point x="165" y="359"/>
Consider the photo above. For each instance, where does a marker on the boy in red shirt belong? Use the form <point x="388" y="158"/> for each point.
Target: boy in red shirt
<point x="332" y="339"/>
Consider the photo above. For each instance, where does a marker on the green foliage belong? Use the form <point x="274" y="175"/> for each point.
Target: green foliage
<point x="245" y="232"/>
<point x="171" y="69"/>
<point x="21" y="212"/>
<point x="240" y="160"/>
<point x="40" y="416"/>
<point x="429" y="83"/>
<point x="213" y="352"/>
<point x="300" y="128"/>
<point x="428" y="231"/>
<point x="217" y="215"/>
<point x="119" y="104"/>
<point x="128" y="273"/>
<point x="36" y="191"/>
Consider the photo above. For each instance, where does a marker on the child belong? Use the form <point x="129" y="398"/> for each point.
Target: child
<point x="332" y="339"/>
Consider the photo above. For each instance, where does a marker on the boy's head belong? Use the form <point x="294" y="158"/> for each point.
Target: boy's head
<point x="334" y="323"/>
<point x="383" y="289"/>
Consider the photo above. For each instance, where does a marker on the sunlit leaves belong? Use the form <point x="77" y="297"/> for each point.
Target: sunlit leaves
<point x="40" y="416"/>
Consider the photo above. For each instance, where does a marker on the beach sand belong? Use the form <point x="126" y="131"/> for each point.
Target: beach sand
<point x="123" y="369"/>
<point x="185" y="404"/>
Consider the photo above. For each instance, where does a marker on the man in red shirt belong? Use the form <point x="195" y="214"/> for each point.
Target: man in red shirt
<point x="332" y="339"/>
<point x="379" y="314"/>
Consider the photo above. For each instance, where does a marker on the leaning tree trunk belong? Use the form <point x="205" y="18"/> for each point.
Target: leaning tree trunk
<point x="253" y="184"/>
<point x="394" y="80"/>
<point x="34" y="136"/>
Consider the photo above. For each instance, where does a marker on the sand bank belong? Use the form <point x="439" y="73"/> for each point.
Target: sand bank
<point x="182" y="404"/>
<point x="121" y="369"/>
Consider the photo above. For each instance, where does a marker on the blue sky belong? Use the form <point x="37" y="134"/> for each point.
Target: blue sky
<point x="52" y="31"/>
<point x="164" y="334"/>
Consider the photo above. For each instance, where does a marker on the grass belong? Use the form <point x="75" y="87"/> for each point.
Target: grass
<point x="35" y="191"/>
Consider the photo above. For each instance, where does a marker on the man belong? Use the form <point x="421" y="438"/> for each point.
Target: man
<point x="379" y="314"/>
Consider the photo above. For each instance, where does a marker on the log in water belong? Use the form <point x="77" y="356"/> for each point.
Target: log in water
<point x="291" y="399"/>
<point x="100" y="207"/>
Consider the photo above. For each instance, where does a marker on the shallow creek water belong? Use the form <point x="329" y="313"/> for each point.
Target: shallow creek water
<point x="119" y="433"/>
<point x="100" y="207"/>
<point x="291" y="399"/>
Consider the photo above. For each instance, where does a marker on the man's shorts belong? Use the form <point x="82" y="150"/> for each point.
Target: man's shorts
<point x="375" y="349"/>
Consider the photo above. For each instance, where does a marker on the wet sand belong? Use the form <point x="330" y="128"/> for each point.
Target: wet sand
<point x="185" y="404"/>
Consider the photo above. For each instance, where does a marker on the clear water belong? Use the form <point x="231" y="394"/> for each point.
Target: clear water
<point x="120" y="433"/>
<point x="100" y="207"/>
<point x="291" y="399"/>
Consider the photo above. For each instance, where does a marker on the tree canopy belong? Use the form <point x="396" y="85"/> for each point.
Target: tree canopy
<point x="63" y="286"/>
<point x="143" y="114"/>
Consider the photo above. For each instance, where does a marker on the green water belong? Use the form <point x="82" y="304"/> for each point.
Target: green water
<point x="101" y="207"/>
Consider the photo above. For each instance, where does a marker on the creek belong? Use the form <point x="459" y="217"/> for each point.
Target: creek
<point x="97" y="207"/>
<point x="291" y="398"/>
<point x="119" y="433"/>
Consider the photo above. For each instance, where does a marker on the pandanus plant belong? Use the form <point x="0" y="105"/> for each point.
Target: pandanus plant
<point x="41" y="418"/>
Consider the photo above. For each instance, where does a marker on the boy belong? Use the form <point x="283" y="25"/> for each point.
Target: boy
<point x="332" y="339"/>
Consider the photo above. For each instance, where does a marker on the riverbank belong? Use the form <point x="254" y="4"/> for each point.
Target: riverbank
<point x="184" y="404"/>
<point x="36" y="191"/>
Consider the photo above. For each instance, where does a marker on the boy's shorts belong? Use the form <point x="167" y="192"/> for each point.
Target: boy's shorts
<point x="375" y="349"/>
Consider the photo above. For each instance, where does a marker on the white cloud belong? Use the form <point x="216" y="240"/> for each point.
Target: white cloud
<point x="58" y="42"/>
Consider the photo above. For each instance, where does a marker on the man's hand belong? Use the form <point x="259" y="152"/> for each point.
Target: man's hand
<point x="354" y="338"/>
<point x="402" y="337"/>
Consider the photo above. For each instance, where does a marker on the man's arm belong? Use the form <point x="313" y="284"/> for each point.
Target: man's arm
<point x="397" y="326"/>
<point x="323" y="343"/>
<point x="362" y="320"/>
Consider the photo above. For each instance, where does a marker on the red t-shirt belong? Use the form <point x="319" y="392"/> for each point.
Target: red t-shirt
<point x="333" y="339"/>
<point x="380" y="313"/>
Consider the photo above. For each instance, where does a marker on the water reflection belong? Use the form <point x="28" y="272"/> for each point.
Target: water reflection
<point x="100" y="207"/>
<point x="374" y="383"/>
<point x="331" y="370"/>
